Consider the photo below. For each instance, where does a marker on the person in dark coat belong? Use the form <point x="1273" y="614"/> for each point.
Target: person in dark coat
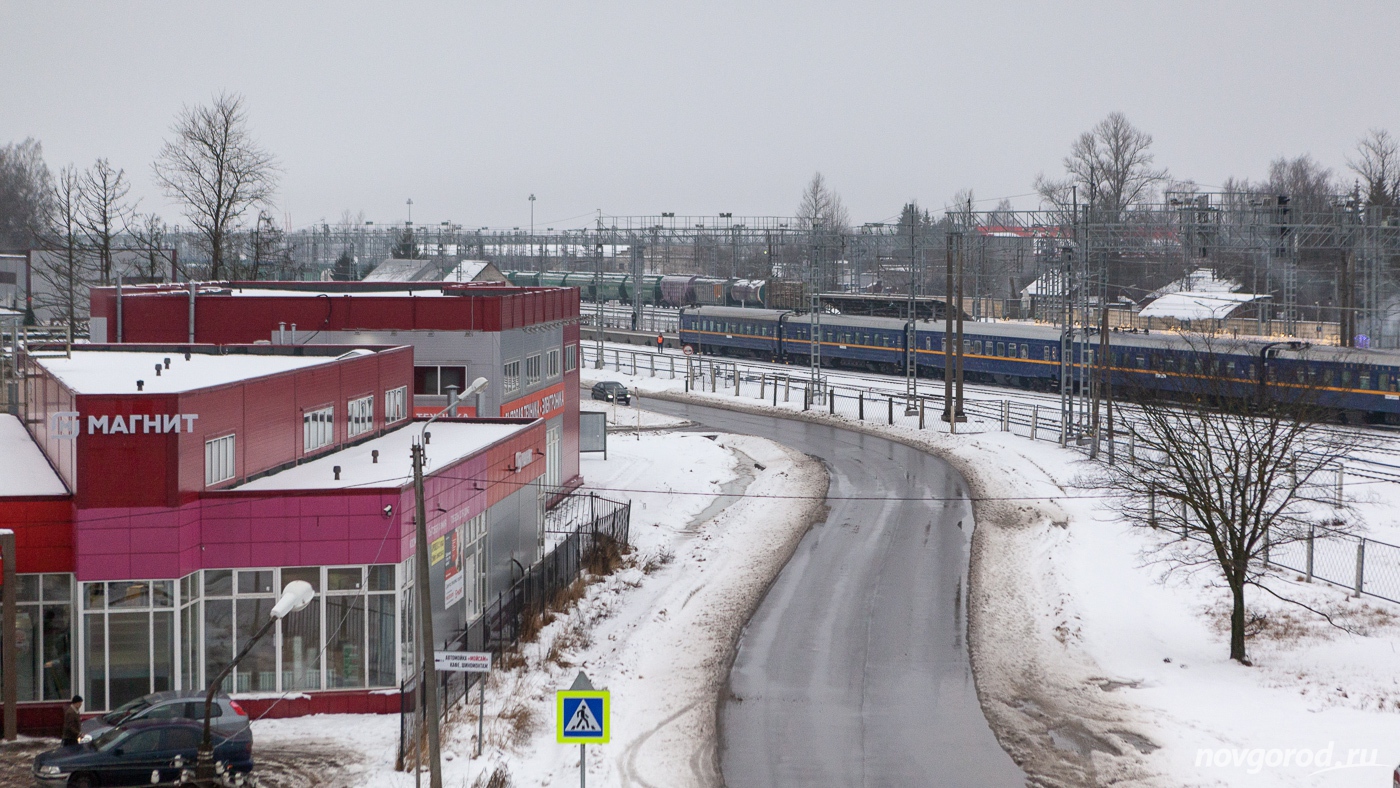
<point x="73" y="721"/>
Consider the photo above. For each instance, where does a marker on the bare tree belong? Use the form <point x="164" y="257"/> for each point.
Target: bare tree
<point x="822" y="206"/>
<point x="215" y="168"/>
<point x="149" y="234"/>
<point x="1303" y="180"/>
<point x="1223" y="476"/>
<point x="104" y="214"/>
<point x="1377" y="164"/>
<point x="63" y="269"/>
<point x="26" y="194"/>
<point x="1108" y="166"/>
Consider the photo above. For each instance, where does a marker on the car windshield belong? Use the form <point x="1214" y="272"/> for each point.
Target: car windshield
<point x="109" y="738"/>
<point x="125" y="710"/>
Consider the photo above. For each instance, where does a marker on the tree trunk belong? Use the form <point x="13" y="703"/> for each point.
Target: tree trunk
<point x="1237" y="652"/>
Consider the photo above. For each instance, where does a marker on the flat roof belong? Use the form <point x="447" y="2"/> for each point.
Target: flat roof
<point x="116" y="371"/>
<point x="24" y="470"/>
<point x="451" y="441"/>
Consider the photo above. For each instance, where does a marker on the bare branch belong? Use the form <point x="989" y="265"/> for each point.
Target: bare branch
<point x="217" y="171"/>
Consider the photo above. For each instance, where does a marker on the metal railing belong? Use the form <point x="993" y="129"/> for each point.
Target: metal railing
<point x="590" y="527"/>
<point x="1363" y="566"/>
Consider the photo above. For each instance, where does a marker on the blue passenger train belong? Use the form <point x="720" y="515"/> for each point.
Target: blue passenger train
<point x="1359" y="384"/>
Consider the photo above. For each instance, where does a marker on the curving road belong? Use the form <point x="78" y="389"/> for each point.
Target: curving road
<point x="854" y="670"/>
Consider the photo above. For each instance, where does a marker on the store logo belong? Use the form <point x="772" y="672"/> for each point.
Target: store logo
<point x="67" y="424"/>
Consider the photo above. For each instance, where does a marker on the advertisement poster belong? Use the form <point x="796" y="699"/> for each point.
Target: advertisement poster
<point x="454" y="586"/>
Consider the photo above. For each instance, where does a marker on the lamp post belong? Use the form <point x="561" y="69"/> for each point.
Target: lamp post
<point x="295" y="596"/>
<point x="1264" y="361"/>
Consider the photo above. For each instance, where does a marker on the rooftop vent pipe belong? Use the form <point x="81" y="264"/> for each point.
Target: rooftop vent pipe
<point x="374" y="455"/>
<point x="157" y="370"/>
<point x="167" y="362"/>
<point x="140" y="385"/>
<point x="337" y="472"/>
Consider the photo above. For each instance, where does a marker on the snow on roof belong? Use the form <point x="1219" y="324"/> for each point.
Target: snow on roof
<point x="23" y="469"/>
<point x="1199" y="295"/>
<point x="466" y="271"/>
<point x="1198" y="306"/>
<point x="398" y="270"/>
<point x="451" y="441"/>
<point x="116" y="372"/>
<point x="1201" y="280"/>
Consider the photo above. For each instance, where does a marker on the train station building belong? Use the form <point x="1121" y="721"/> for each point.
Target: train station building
<point x="163" y="494"/>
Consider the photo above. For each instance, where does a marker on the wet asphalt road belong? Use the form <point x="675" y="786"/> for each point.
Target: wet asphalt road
<point x="854" y="670"/>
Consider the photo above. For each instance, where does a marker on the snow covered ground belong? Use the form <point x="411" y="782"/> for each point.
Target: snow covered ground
<point x="1096" y="668"/>
<point x="633" y="416"/>
<point x="660" y="634"/>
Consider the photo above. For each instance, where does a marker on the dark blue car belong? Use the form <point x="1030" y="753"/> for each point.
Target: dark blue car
<point x="141" y="753"/>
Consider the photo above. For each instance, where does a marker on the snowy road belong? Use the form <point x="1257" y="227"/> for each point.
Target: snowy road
<point x="854" y="671"/>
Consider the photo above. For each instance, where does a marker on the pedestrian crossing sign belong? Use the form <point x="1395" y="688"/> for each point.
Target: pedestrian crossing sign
<point x="582" y="717"/>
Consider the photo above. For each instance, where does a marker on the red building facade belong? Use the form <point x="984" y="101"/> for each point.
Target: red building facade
<point x="194" y="493"/>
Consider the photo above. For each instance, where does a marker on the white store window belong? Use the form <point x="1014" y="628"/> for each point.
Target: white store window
<point x="532" y="369"/>
<point x="317" y="429"/>
<point x="551" y="364"/>
<point x="360" y="413"/>
<point x="395" y="404"/>
<point x="570" y="358"/>
<point x="510" y="376"/>
<point x="218" y="460"/>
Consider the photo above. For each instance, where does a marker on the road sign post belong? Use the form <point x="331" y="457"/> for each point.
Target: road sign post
<point x="469" y="662"/>
<point x="582" y="716"/>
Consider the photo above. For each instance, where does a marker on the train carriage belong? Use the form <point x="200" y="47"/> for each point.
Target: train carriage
<point x="1356" y="383"/>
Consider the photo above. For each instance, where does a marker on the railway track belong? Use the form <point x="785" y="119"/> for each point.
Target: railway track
<point x="1377" y="459"/>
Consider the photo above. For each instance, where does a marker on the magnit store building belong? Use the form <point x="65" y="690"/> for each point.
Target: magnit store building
<point x="162" y="496"/>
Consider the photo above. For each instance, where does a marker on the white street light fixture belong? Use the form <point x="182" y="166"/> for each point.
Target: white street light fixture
<point x="295" y="596"/>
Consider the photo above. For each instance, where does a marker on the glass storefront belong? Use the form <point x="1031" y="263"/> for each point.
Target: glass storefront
<point x="129" y="637"/>
<point x="44" y="637"/>
<point x="142" y="636"/>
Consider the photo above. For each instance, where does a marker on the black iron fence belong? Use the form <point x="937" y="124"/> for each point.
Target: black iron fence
<point x="586" y="531"/>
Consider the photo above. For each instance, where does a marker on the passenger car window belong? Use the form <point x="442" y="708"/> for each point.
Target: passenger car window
<point x="166" y="712"/>
<point x="182" y="739"/>
<point x="143" y="742"/>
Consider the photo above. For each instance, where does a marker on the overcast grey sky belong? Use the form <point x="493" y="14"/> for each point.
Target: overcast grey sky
<point x="697" y="108"/>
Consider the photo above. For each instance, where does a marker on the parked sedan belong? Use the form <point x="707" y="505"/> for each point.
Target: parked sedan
<point x="145" y="752"/>
<point x="612" y="391"/>
<point x="226" y="716"/>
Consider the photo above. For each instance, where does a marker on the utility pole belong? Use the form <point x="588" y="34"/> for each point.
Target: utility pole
<point x="427" y="644"/>
<point x="534" y="247"/>
<point x="951" y="239"/>
<point x="815" y="324"/>
<point x="911" y="351"/>
<point x="958" y="414"/>
<point x="597" y="290"/>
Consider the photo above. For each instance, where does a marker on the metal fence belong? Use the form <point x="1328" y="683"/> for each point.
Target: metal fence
<point x="1363" y="566"/>
<point x="590" y="529"/>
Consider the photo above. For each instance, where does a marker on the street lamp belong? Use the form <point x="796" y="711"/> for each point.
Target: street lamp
<point x="1294" y="345"/>
<point x="295" y="596"/>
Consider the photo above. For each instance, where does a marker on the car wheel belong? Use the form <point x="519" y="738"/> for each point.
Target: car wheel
<point x="82" y="780"/>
